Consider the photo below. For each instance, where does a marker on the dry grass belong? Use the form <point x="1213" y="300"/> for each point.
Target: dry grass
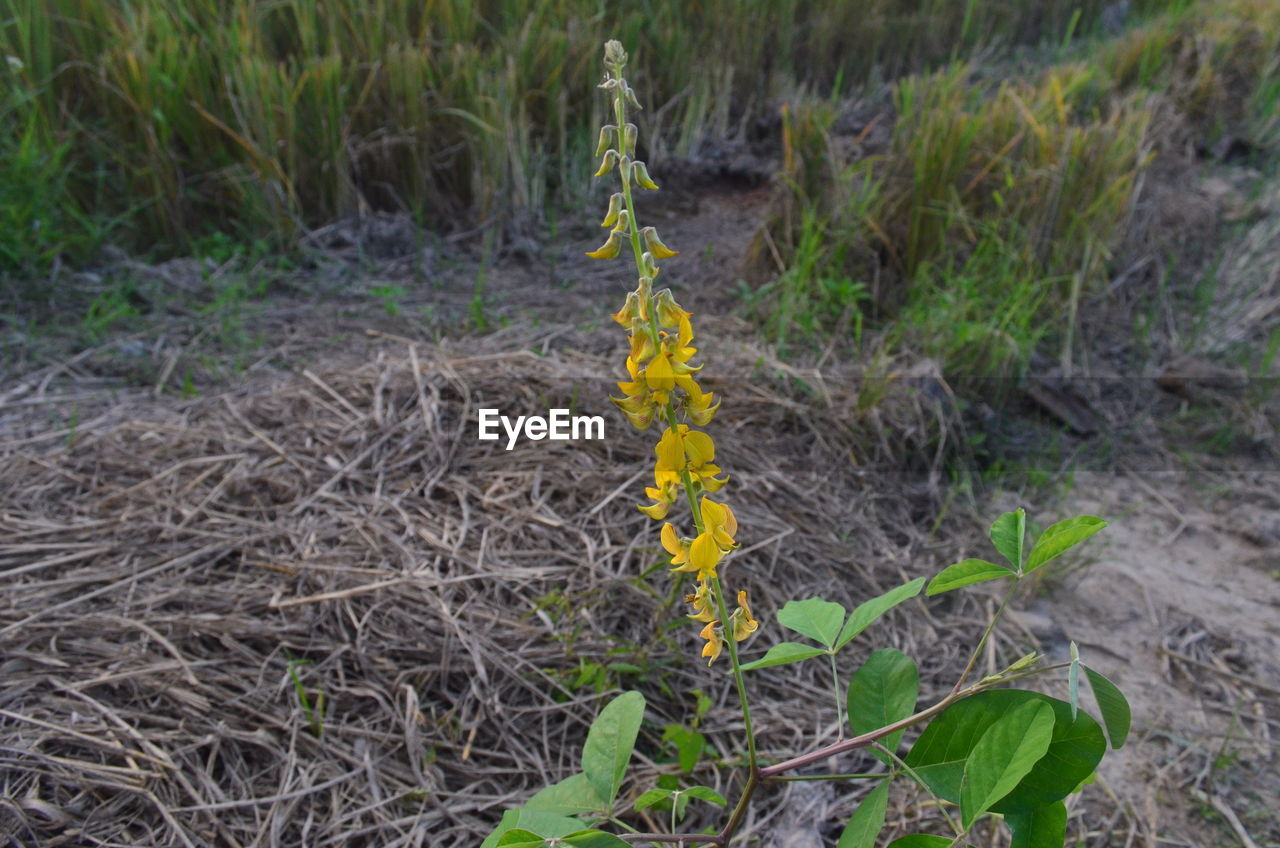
<point x="164" y="564"/>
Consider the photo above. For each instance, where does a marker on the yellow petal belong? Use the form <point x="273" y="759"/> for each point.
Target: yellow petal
<point x="659" y="375"/>
<point x="700" y="448"/>
<point x="670" y="452"/>
<point x="704" y="554"/>
<point x="656" y="511"/>
<point x="670" y="540"/>
<point x="714" y="644"/>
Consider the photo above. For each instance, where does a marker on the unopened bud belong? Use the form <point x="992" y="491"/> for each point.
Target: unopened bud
<point x="614" y="56"/>
<point x="615" y="206"/>
<point x="655" y="245"/>
<point x="606" y="165"/>
<point x="669" y="312"/>
<point x="623" y="226"/>
<point x="606" y="133"/>
<point x="641" y="172"/>
<point x="630" y="96"/>
<point x="629" y="135"/>
<point x="609" y="249"/>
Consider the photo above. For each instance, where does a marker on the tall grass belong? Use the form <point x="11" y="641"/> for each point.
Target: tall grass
<point x="173" y="118"/>
<point x="997" y="208"/>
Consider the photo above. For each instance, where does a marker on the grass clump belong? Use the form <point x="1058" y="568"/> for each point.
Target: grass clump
<point x="997" y="207"/>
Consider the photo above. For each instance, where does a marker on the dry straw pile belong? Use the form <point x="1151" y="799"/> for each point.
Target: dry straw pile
<point x="165" y="566"/>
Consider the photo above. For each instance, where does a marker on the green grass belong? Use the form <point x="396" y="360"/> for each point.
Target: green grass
<point x="155" y="123"/>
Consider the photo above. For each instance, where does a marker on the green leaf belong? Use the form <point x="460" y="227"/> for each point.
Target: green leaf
<point x="783" y="653"/>
<point x="920" y="840"/>
<point x="1004" y="754"/>
<point x="1113" y="705"/>
<point x="609" y="743"/>
<point x="883" y="691"/>
<point x="965" y="573"/>
<point x="570" y="797"/>
<point x="595" y="839"/>
<point x="1061" y="536"/>
<point x="1075" y="750"/>
<point x="518" y="838"/>
<point x="868" y="611"/>
<point x="548" y="824"/>
<point x="653" y="796"/>
<point x="867" y="820"/>
<point x="818" y="619"/>
<point x="1043" y="827"/>
<point x="706" y="793"/>
<point x="689" y="744"/>
<point x="1008" y="533"/>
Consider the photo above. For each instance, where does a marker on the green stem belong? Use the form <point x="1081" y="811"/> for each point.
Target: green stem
<point x="910" y="772"/>
<point x="835" y="688"/>
<point x="986" y="634"/>
<point x="867" y="775"/>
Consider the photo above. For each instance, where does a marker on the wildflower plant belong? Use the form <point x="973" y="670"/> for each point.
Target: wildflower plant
<point x="985" y="749"/>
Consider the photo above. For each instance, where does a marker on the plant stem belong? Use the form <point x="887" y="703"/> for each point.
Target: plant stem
<point x="986" y="634"/>
<point x="673" y="421"/>
<point x="835" y="686"/>
<point x="911" y="773"/>
<point x="868" y="775"/>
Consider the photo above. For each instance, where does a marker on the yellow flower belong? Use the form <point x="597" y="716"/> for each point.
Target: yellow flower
<point x="677" y="547"/>
<point x="743" y="624"/>
<point x="692" y="451"/>
<point x="720" y="522"/>
<point x="716" y="539"/>
<point x="702" y="603"/>
<point x="714" y="643"/>
<point x="704" y="553"/>
<point x="663" y="496"/>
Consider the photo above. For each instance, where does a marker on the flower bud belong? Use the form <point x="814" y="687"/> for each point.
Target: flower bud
<point x="623" y="226"/>
<point x="669" y="312"/>
<point x="614" y="55"/>
<point x="641" y="172"/>
<point x="624" y="168"/>
<point x="655" y="245"/>
<point x="609" y="84"/>
<point x="615" y="206"/>
<point x="631" y="310"/>
<point x="609" y="249"/>
<point x="606" y="133"/>
<point x="610" y="159"/>
<point x="630" y="96"/>
<point x="629" y="133"/>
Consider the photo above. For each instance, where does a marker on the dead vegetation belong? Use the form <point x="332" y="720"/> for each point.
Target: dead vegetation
<point x="319" y="611"/>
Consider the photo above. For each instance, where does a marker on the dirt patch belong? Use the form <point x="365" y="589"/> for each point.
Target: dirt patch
<point x="1179" y="603"/>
